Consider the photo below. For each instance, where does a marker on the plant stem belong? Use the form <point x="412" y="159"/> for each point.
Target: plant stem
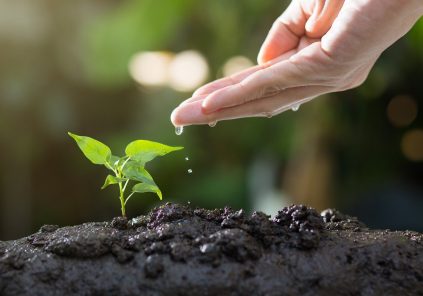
<point x="121" y="192"/>
<point x="122" y="199"/>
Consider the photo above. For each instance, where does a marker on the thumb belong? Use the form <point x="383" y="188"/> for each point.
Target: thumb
<point x="284" y="34"/>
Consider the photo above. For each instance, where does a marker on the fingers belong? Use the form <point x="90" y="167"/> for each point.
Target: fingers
<point x="298" y="70"/>
<point x="191" y="113"/>
<point x="238" y="77"/>
<point x="263" y="83"/>
<point x="226" y="81"/>
<point x="204" y="91"/>
<point x="302" y="18"/>
<point x="260" y="84"/>
<point x="284" y="34"/>
<point x="323" y="15"/>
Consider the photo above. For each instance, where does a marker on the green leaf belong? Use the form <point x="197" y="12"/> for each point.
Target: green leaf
<point x="143" y="187"/>
<point x="135" y="171"/>
<point x="144" y="151"/>
<point x="95" y="151"/>
<point x="110" y="180"/>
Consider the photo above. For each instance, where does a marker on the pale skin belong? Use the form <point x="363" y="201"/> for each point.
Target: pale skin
<point x="315" y="47"/>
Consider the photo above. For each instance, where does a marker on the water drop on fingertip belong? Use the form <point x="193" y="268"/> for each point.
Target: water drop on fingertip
<point x="295" y="107"/>
<point x="179" y="130"/>
<point x="213" y="124"/>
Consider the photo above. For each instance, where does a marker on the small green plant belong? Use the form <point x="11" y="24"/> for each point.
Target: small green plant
<point x="130" y="167"/>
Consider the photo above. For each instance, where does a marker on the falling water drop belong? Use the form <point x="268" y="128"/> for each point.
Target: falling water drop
<point x="187" y="158"/>
<point x="295" y="107"/>
<point x="189" y="171"/>
<point x="213" y="124"/>
<point x="179" y="130"/>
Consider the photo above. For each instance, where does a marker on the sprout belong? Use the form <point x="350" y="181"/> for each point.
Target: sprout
<point x="130" y="167"/>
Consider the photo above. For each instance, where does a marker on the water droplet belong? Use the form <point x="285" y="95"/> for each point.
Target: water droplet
<point x="189" y="202"/>
<point x="179" y="130"/>
<point x="189" y="171"/>
<point x="213" y="124"/>
<point x="295" y="107"/>
<point x="268" y="114"/>
<point x="186" y="158"/>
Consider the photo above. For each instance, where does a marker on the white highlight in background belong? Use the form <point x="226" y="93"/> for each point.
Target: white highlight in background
<point x="183" y="72"/>
<point x="187" y="71"/>
<point x="236" y="64"/>
<point x="150" y="68"/>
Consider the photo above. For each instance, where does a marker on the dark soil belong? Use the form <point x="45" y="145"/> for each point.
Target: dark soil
<point x="176" y="250"/>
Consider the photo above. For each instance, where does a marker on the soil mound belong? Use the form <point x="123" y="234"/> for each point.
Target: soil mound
<point x="177" y="250"/>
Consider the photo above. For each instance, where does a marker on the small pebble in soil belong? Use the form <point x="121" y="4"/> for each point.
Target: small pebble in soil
<point x="207" y="248"/>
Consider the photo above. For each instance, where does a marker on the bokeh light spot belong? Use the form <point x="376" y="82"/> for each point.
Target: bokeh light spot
<point x="150" y="68"/>
<point x="402" y="110"/>
<point x="412" y="145"/>
<point x="187" y="71"/>
<point x="236" y="64"/>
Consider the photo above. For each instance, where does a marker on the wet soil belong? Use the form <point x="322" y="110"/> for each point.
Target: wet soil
<point x="177" y="250"/>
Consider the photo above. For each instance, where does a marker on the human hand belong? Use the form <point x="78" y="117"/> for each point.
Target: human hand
<point x="314" y="47"/>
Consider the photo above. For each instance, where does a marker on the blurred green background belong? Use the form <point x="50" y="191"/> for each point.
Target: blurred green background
<point x="114" y="70"/>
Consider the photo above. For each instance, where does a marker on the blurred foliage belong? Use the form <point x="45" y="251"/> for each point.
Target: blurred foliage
<point x="138" y="25"/>
<point x="64" y="66"/>
<point x="131" y="27"/>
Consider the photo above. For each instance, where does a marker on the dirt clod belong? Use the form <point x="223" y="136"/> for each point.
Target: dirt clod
<point x="168" y="213"/>
<point x="153" y="266"/>
<point x="49" y="228"/>
<point x="120" y="223"/>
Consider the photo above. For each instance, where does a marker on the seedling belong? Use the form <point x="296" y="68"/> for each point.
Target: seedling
<point x="130" y="167"/>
